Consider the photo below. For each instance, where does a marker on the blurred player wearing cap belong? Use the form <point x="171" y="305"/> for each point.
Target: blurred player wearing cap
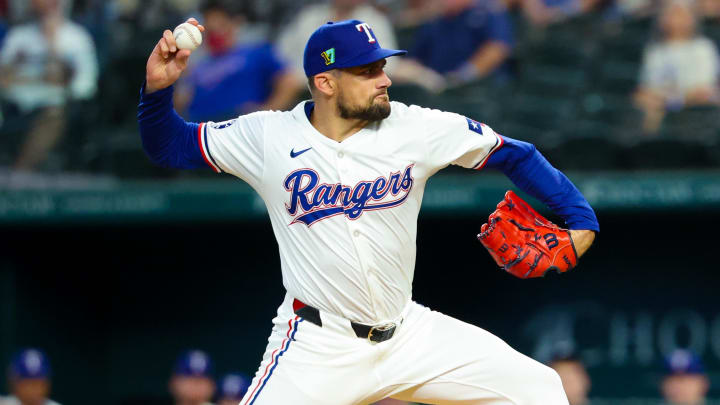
<point x="191" y="382"/>
<point x="685" y="382"/>
<point x="342" y="177"/>
<point x="232" y="388"/>
<point x="29" y="379"/>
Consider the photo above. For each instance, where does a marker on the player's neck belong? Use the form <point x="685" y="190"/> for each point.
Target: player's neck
<point x="328" y="122"/>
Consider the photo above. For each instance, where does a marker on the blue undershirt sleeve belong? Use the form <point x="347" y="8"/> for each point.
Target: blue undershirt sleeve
<point x="533" y="174"/>
<point x="167" y="139"/>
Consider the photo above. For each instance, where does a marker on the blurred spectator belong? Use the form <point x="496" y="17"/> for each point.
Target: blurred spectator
<point x="685" y="382"/>
<point x="232" y="389"/>
<point x="544" y="12"/>
<point x="234" y="78"/>
<point x="471" y="40"/>
<point x="291" y="42"/>
<point x="709" y="8"/>
<point x="3" y="22"/>
<point x="150" y="15"/>
<point x="409" y="13"/>
<point x="44" y="65"/>
<point x="191" y="382"/>
<point x="637" y="8"/>
<point x="679" y="70"/>
<point x="575" y="379"/>
<point x="29" y="379"/>
<point x="3" y="30"/>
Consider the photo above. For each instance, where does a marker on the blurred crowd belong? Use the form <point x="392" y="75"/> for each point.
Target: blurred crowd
<point x="70" y="70"/>
<point x="684" y="380"/>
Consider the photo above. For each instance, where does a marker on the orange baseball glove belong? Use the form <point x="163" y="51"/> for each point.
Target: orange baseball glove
<point x="524" y="243"/>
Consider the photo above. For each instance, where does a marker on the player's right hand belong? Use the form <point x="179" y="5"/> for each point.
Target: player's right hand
<point x="166" y="62"/>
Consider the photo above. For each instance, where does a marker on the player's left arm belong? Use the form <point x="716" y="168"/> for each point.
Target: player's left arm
<point x="528" y="169"/>
<point x="285" y="87"/>
<point x="285" y="91"/>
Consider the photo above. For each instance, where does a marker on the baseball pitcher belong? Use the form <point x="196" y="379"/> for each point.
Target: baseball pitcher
<point x="342" y="176"/>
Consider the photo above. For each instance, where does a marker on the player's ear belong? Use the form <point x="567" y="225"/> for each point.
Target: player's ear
<point x="325" y="83"/>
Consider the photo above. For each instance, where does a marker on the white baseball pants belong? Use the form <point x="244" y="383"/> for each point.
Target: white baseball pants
<point x="432" y="359"/>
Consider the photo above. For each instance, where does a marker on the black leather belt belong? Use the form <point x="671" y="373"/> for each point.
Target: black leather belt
<point x="378" y="333"/>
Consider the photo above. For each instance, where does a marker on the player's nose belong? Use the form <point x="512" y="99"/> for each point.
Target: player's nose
<point x="384" y="81"/>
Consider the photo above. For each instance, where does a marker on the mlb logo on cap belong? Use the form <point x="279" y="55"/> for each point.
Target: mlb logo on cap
<point x="341" y="45"/>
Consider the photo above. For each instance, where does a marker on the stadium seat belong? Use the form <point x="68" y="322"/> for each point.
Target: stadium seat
<point x="667" y="153"/>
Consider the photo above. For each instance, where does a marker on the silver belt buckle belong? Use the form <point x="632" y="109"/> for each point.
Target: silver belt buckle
<point x="381" y="328"/>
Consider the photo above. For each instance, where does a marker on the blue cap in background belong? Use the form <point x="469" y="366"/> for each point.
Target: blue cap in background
<point x="233" y="386"/>
<point x="341" y="45"/>
<point x="193" y="363"/>
<point x="30" y="364"/>
<point x="683" y="361"/>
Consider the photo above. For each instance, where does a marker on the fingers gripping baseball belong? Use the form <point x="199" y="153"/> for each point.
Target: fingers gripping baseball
<point x="166" y="62"/>
<point x="524" y="243"/>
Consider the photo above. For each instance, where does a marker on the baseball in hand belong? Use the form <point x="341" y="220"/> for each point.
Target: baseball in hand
<point x="187" y="36"/>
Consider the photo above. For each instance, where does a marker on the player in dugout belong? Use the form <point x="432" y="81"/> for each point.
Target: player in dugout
<point x="232" y="388"/>
<point x="191" y="382"/>
<point x="29" y="379"/>
<point x="342" y="177"/>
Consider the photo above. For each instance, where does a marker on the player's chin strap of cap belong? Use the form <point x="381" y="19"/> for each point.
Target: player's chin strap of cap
<point x="376" y="333"/>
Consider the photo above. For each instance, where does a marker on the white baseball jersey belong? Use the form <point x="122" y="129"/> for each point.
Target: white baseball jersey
<point x="345" y="213"/>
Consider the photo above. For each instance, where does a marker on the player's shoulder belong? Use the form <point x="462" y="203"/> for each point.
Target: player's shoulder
<point x="704" y="43"/>
<point x="74" y="31"/>
<point x="23" y="31"/>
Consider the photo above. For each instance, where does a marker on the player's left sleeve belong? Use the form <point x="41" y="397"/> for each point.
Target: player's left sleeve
<point x="528" y="169"/>
<point x="455" y="139"/>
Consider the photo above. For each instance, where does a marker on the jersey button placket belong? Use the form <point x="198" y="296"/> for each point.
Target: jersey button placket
<point x="342" y="164"/>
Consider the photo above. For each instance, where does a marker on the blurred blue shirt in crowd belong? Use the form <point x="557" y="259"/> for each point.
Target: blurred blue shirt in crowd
<point x="3" y="30"/>
<point x="567" y="7"/>
<point x="232" y="83"/>
<point x="447" y="42"/>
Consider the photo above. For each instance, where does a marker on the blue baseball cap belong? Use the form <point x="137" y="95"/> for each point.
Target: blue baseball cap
<point x="234" y="386"/>
<point x="30" y="364"/>
<point x="341" y="45"/>
<point x="683" y="361"/>
<point x="193" y="363"/>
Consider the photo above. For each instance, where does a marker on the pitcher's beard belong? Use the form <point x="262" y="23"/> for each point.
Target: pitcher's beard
<point x="373" y="112"/>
